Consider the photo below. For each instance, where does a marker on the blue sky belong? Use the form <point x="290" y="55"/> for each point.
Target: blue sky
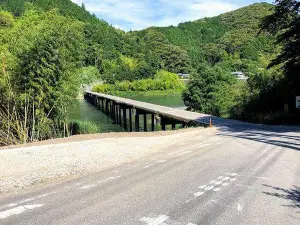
<point x="139" y="14"/>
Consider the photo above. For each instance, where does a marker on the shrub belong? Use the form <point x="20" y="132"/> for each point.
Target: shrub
<point x="6" y="19"/>
<point x="83" y="127"/>
<point x="163" y="80"/>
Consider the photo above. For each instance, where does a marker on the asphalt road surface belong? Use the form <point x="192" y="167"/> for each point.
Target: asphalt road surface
<point x="233" y="176"/>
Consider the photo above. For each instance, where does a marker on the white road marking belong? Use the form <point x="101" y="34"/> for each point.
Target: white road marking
<point x="18" y="210"/>
<point x="217" y="189"/>
<point x="152" y="164"/>
<point x="215" y="185"/>
<point x="209" y="188"/>
<point x="199" y="193"/>
<point x="162" y="161"/>
<point x="88" y="186"/>
<point x="203" y="186"/>
<point x="145" y="167"/>
<point x="187" y="201"/>
<point x="160" y="220"/>
<point x="155" y="221"/>
<point x="27" y="200"/>
<point x="246" y="186"/>
<point x="240" y="207"/>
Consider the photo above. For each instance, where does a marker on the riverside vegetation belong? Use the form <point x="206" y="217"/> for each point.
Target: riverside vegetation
<point x="48" y="48"/>
<point x="163" y="81"/>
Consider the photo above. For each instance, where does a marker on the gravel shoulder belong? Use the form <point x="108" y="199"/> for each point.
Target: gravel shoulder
<point x="25" y="167"/>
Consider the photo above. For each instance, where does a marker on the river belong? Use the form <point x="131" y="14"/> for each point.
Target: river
<point x="84" y="111"/>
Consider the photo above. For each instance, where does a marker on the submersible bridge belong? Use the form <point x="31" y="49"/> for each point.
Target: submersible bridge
<point x="128" y="113"/>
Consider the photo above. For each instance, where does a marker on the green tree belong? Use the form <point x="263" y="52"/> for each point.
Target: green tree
<point x="212" y="91"/>
<point x="285" y="23"/>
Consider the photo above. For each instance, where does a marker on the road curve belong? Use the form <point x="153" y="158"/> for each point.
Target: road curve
<point x="233" y="176"/>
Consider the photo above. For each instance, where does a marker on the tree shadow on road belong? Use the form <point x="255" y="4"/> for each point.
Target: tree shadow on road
<point x="293" y="195"/>
<point x="285" y="140"/>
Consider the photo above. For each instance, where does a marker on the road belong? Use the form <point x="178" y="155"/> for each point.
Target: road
<point x="231" y="176"/>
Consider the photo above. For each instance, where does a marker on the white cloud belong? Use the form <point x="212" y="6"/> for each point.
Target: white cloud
<point x="139" y="14"/>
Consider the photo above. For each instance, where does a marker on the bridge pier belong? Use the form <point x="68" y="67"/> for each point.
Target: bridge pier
<point x="167" y="121"/>
<point x="127" y="113"/>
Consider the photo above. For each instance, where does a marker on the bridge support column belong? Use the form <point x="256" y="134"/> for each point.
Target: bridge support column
<point x="120" y="115"/>
<point x="145" y="122"/>
<point x="116" y="114"/>
<point x="106" y="106"/>
<point x="113" y="111"/>
<point x="98" y="103"/>
<point x="130" y="120"/>
<point x="153" y="122"/>
<point x="137" y="121"/>
<point x="173" y="126"/>
<point x="125" y="118"/>
<point x="168" y="121"/>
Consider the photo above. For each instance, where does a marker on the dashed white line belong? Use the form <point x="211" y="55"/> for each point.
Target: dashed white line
<point x="199" y="193"/>
<point x="162" y="161"/>
<point x="203" y="186"/>
<point x="87" y="186"/>
<point x="148" y="166"/>
<point x="155" y="221"/>
<point x="27" y="200"/>
<point x="240" y="207"/>
<point x="18" y="210"/>
<point x="215" y="185"/>
<point x="209" y="188"/>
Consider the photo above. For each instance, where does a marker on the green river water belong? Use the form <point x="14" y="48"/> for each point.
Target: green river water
<point x="84" y="111"/>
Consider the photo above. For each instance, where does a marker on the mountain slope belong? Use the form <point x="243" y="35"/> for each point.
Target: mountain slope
<point x="206" y="40"/>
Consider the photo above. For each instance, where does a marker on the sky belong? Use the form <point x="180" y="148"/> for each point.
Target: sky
<point x="139" y="14"/>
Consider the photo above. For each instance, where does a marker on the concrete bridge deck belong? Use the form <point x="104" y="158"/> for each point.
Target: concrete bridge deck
<point x="169" y="113"/>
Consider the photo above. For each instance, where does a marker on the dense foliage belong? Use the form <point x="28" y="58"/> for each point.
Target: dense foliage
<point x="40" y="57"/>
<point x="285" y="22"/>
<point x="48" y="48"/>
<point x="162" y="81"/>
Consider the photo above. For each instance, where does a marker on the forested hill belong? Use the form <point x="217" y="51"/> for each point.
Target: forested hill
<point x="211" y="40"/>
<point x="103" y="43"/>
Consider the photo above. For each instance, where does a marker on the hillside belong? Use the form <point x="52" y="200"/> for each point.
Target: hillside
<point x="207" y="40"/>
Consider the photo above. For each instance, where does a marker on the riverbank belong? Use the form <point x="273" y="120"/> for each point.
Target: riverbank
<point x="37" y="164"/>
<point x="146" y="93"/>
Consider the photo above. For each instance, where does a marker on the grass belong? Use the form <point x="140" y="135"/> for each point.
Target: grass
<point x="83" y="127"/>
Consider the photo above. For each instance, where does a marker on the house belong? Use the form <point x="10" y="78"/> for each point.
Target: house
<point x="239" y="75"/>
<point x="184" y="76"/>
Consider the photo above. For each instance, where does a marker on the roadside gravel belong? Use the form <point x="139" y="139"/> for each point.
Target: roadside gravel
<point x="22" y="168"/>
